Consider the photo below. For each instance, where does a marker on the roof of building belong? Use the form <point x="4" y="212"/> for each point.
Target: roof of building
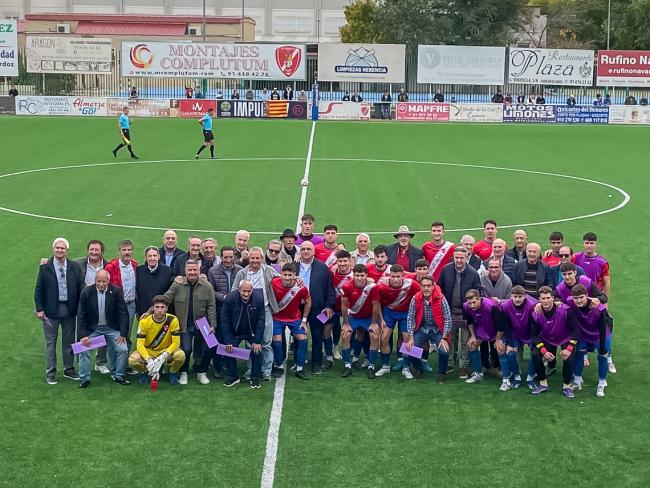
<point x="142" y="19"/>
<point x="130" y="29"/>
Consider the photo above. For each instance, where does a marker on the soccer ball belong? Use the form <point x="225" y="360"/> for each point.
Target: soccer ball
<point x="304" y="182"/>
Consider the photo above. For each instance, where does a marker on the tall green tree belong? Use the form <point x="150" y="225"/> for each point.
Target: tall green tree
<point x="413" y="22"/>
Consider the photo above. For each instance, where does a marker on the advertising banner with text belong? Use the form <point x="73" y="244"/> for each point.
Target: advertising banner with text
<point x="343" y="111"/>
<point x="202" y="60"/>
<point x="8" y="48"/>
<point x="37" y="105"/>
<point x="582" y="114"/>
<point x="551" y="66"/>
<point x="48" y="54"/>
<point x="629" y="114"/>
<point x="529" y="114"/>
<point x="425" y="112"/>
<point x="623" y="68"/>
<point x="140" y="107"/>
<point x="476" y="112"/>
<point x="380" y="63"/>
<point x="461" y="65"/>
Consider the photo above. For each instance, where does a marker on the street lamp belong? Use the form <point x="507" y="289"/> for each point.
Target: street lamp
<point x="609" y="19"/>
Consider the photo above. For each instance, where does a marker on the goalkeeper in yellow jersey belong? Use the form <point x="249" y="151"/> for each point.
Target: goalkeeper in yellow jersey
<point x="158" y="343"/>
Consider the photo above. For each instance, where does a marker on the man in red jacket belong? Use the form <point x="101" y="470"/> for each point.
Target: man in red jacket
<point x="429" y="320"/>
<point x="122" y="272"/>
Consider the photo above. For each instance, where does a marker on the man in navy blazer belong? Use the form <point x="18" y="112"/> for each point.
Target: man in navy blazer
<point x="103" y="312"/>
<point x="318" y="279"/>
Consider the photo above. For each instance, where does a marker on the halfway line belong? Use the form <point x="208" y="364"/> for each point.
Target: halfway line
<point x="272" y="438"/>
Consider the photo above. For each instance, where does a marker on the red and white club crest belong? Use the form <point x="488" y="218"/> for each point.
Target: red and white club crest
<point x="288" y="59"/>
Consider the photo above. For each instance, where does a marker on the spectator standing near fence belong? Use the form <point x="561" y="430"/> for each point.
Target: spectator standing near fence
<point x="497" y="97"/>
<point x="357" y="98"/>
<point x="403" y="96"/>
<point x="570" y="101"/>
<point x="13" y="92"/>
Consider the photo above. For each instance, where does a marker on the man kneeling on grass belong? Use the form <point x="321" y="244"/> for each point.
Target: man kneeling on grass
<point x="429" y="321"/>
<point x="158" y="343"/>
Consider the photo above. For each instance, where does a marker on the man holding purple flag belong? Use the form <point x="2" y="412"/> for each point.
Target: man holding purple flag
<point x="482" y="315"/>
<point x="516" y="315"/>
<point x="429" y="321"/>
<point x="595" y="335"/>
<point x="243" y="319"/>
<point x="103" y="312"/>
<point x="552" y="327"/>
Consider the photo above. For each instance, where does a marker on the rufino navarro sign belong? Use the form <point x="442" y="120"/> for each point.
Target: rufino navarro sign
<point x="203" y="60"/>
<point x="551" y="66"/>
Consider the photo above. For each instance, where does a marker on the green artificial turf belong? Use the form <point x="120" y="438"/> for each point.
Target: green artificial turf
<point x="334" y="431"/>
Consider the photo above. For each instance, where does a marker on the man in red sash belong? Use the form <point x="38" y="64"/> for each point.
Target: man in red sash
<point x="395" y="297"/>
<point x="438" y="251"/>
<point x="290" y="295"/>
<point x="361" y="309"/>
<point x="326" y="251"/>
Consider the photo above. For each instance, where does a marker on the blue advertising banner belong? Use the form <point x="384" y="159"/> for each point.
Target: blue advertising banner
<point x="529" y="114"/>
<point x="241" y="108"/>
<point x="582" y="114"/>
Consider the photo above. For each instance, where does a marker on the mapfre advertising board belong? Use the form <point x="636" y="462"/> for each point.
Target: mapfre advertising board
<point x="461" y="65"/>
<point x="8" y="48"/>
<point x="422" y="112"/>
<point x="380" y="63"/>
<point x="623" y="68"/>
<point x="343" y="111"/>
<point x="551" y="66"/>
<point x="207" y="60"/>
<point x="49" y="54"/>
<point x="38" y="105"/>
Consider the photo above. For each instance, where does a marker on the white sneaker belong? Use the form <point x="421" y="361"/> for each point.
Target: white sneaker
<point x="611" y="367"/>
<point x="202" y="378"/>
<point x="600" y="391"/>
<point x="505" y="385"/>
<point x="365" y="364"/>
<point x="475" y="378"/>
<point x="102" y="368"/>
<point x="576" y="385"/>
<point x="382" y="371"/>
<point x="337" y="353"/>
<point x="406" y="372"/>
<point x="183" y="379"/>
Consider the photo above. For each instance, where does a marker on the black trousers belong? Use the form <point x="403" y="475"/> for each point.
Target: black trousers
<point x="540" y="369"/>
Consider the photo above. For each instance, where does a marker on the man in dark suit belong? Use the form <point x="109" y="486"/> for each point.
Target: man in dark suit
<point x="90" y="264"/>
<point x="56" y="298"/>
<point x="318" y="279"/>
<point x="288" y="93"/>
<point x="403" y="252"/>
<point x="151" y="279"/>
<point x="102" y="312"/>
<point x="169" y="252"/>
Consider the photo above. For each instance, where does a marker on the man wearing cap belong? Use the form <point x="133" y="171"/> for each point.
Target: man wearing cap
<point x="56" y="297"/>
<point x="290" y="253"/>
<point x="403" y="252"/>
<point x="307" y="231"/>
<point x="362" y="254"/>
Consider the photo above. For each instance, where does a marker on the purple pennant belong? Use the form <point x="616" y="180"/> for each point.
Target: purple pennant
<point x="95" y="342"/>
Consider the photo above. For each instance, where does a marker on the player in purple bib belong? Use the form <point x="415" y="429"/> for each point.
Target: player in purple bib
<point x="516" y="314"/>
<point x="595" y="335"/>
<point x="552" y="327"/>
<point x="570" y="278"/>
<point x="482" y="315"/>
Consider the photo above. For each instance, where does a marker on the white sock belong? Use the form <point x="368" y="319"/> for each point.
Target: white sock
<point x="577" y="379"/>
<point x="517" y="377"/>
<point x="348" y="365"/>
<point x="609" y="360"/>
<point x="529" y="378"/>
<point x="602" y="382"/>
<point x="330" y="358"/>
<point x="298" y="368"/>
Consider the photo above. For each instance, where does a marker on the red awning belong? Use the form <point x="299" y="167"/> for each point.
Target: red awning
<point x="131" y="29"/>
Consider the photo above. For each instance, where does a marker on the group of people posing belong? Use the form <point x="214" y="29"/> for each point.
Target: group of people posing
<point x="478" y="304"/>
